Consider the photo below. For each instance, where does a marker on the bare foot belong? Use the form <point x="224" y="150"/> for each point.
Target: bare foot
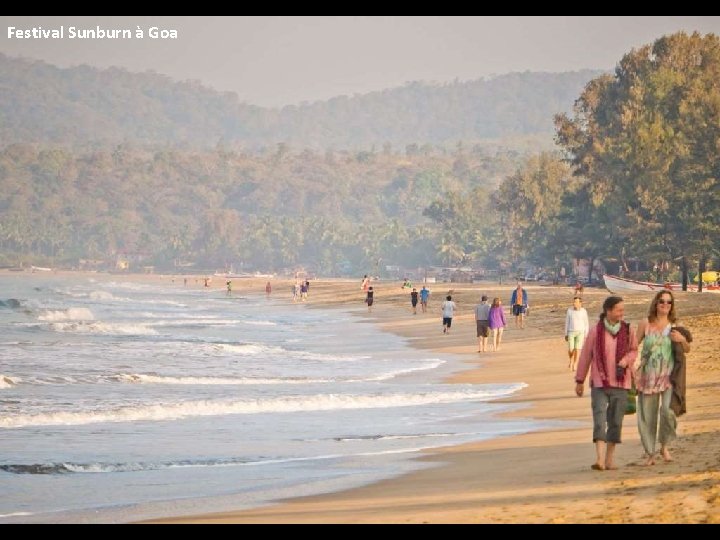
<point x="649" y="461"/>
<point x="597" y="467"/>
<point x="610" y="467"/>
<point x="666" y="454"/>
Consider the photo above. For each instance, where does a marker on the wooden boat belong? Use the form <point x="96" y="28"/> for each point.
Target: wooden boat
<point x="616" y="284"/>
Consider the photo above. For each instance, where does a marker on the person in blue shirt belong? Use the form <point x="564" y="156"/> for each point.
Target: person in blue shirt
<point x="424" y="295"/>
<point x="519" y="303"/>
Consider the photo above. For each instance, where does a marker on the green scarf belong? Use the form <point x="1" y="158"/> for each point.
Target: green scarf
<point x="612" y="328"/>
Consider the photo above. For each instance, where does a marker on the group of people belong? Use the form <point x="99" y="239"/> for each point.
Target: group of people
<point x="299" y="291"/>
<point x="608" y="351"/>
<point x="490" y="318"/>
<point x="610" y="355"/>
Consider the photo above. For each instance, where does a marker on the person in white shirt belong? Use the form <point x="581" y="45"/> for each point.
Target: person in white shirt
<point x="576" y="330"/>
<point x="448" y="310"/>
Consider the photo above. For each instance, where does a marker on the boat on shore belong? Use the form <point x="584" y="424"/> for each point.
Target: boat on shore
<point x="616" y="284"/>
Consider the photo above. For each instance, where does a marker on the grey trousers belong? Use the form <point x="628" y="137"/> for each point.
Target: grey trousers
<point x="647" y="418"/>
<point x="608" y="408"/>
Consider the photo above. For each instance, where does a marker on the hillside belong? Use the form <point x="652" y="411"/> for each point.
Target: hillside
<point x="85" y="106"/>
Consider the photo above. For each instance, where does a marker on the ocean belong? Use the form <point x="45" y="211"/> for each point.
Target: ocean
<point x="122" y="400"/>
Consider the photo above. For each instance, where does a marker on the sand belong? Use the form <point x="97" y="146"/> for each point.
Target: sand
<point x="540" y="477"/>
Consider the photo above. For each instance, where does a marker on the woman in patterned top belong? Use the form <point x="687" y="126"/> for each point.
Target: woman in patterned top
<point x="652" y="378"/>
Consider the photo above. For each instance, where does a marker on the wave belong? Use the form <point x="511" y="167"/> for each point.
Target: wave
<point x="11" y="303"/>
<point x="197" y="323"/>
<point x="68" y="467"/>
<point x="8" y="382"/>
<point x="152" y="378"/>
<point x="260" y="323"/>
<point x="287" y="404"/>
<point x="392" y="437"/>
<point x="70" y="314"/>
<point x="430" y="364"/>
<point x="97" y="467"/>
<point x="158" y="379"/>
<point x="83" y="327"/>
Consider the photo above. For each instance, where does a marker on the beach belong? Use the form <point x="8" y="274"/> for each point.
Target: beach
<point x="539" y="477"/>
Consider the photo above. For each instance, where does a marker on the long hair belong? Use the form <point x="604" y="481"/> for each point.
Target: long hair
<point x="609" y="303"/>
<point x="496" y="302"/>
<point x="652" y="312"/>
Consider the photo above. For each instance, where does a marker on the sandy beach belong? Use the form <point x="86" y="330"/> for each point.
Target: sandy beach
<point x="539" y="477"/>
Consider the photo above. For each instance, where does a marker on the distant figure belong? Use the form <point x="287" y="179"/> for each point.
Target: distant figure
<point x="369" y="298"/>
<point x="579" y="289"/>
<point x="414" y="300"/>
<point x="576" y="330"/>
<point x="424" y="295"/>
<point x="303" y="291"/>
<point x="229" y="287"/>
<point x="496" y="323"/>
<point x="519" y="303"/>
<point x="307" y="288"/>
<point x="448" y="310"/>
<point x="207" y="281"/>
<point x="482" y="317"/>
<point x="365" y="283"/>
<point x="296" y="291"/>
<point x="268" y="289"/>
<point x="406" y="284"/>
<point x="185" y="282"/>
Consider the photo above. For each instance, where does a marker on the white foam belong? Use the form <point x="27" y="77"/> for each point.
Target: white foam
<point x="16" y="514"/>
<point x="431" y="364"/>
<point x="249" y="348"/>
<point x="259" y="348"/>
<point x="260" y="323"/>
<point x="70" y="314"/>
<point x="101" y="295"/>
<point x="102" y="328"/>
<point x="8" y="382"/>
<point x="157" y="379"/>
<point x="318" y="402"/>
<point x="194" y="322"/>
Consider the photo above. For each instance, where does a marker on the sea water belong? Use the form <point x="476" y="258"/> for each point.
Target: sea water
<point x="122" y="400"/>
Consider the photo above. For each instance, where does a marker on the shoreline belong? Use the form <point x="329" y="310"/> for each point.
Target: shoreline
<point x="541" y="476"/>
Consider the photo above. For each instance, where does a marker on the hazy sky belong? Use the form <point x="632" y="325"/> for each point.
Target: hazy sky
<point x="281" y="60"/>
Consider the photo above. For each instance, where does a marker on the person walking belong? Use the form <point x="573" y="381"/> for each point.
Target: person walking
<point x="609" y="354"/>
<point x="662" y="344"/>
<point x="369" y="299"/>
<point x="482" y="316"/>
<point x="496" y="323"/>
<point x="424" y="296"/>
<point x="414" y="300"/>
<point x="576" y="330"/>
<point x="519" y="303"/>
<point x="448" y="308"/>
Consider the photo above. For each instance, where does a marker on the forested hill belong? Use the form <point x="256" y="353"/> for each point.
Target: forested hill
<point x="83" y="105"/>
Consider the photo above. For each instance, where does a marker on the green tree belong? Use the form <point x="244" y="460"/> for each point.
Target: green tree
<point x="647" y="141"/>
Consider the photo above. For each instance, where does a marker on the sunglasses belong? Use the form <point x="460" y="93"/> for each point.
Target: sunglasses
<point x="669" y="302"/>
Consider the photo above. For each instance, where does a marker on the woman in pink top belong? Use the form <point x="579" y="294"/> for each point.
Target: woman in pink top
<point x="610" y="349"/>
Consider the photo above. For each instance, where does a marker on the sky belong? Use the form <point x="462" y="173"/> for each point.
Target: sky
<point x="277" y="61"/>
